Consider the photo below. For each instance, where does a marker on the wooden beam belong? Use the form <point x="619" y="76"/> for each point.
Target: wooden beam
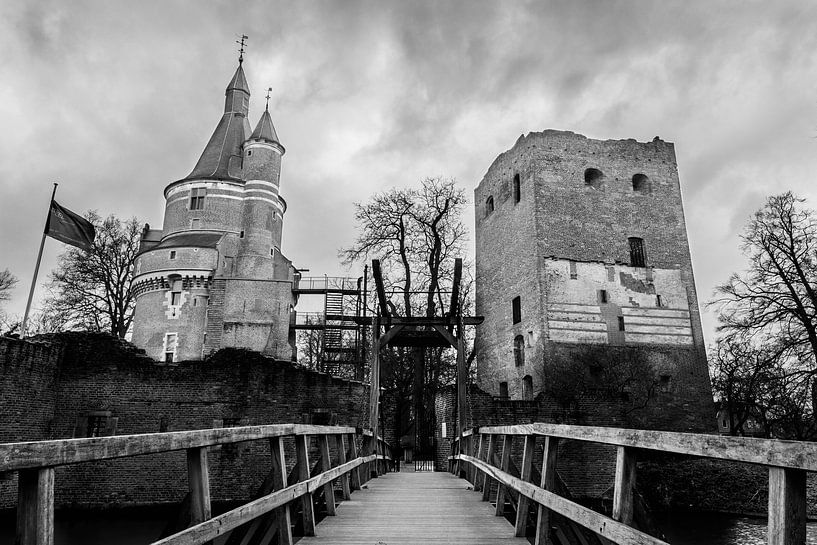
<point x="326" y="465"/>
<point x="377" y="274"/>
<point x="345" y="486"/>
<point x="374" y="380"/>
<point x="355" y="473"/>
<point x="486" y="482"/>
<point x="279" y="471"/>
<point x="623" y="506"/>
<point x="307" y="502"/>
<point x="482" y="445"/>
<point x="768" y="452"/>
<point x="504" y="465"/>
<point x="548" y="482"/>
<point x="787" y="506"/>
<point x="453" y="308"/>
<point x="16" y="456"/>
<point x="35" y="507"/>
<point x="198" y="481"/>
<point x="604" y="526"/>
<point x="523" y="505"/>
<point x="451" y="339"/>
<point x="390" y="334"/>
<point x="462" y="382"/>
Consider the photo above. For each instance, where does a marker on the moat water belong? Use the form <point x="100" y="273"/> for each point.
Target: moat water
<point x="140" y="527"/>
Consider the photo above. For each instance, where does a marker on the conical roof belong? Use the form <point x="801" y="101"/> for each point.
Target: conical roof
<point x="265" y="130"/>
<point x="239" y="81"/>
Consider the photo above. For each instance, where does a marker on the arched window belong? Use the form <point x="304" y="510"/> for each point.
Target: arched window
<point x="641" y="184"/>
<point x="637" y="254"/>
<point x="519" y="350"/>
<point x="517" y="188"/>
<point x="503" y="390"/>
<point x="527" y="388"/>
<point x="489" y="206"/>
<point x="593" y="177"/>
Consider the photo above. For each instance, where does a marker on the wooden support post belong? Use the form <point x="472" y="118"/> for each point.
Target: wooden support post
<point x="345" y="479"/>
<point x="374" y="388"/>
<point x="480" y="478"/>
<point x="198" y="481"/>
<point x="473" y="446"/>
<point x="35" y="507"/>
<point x="486" y="483"/>
<point x="523" y="506"/>
<point x="551" y="446"/>
<point x="623" y="506"/>
<point x="462" y="382"/>
<point x="504" y="465"/>
<point x="355" y="476"/>
<point x="279" y="482"/>
<point x="307" y="505"/>
<point x="326" y="465"/>
<point x="367" y="450"/>
<point x="787" y="506"/>
<point x="468" y="467"/>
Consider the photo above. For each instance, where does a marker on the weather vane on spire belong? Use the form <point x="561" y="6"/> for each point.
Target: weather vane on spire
<point x="244" y="38"/>
<point x="268" y="93"/>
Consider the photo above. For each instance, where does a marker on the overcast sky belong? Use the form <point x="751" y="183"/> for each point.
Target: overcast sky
<point x="117" y="99"/>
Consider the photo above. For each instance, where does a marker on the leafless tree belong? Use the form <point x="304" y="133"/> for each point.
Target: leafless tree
<point x="774" y="302"/>
<point x="7" y="282"/>
<point x="92" y="290"/>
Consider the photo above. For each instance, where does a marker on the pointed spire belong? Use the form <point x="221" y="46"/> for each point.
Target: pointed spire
<point x="265" y="130"/>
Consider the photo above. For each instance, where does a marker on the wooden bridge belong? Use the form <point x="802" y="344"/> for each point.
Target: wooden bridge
<point x="409" y="507"/>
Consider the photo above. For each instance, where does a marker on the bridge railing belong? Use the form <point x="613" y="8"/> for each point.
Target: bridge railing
<point x="35" y="463"/>
<point x="787" y="461"/>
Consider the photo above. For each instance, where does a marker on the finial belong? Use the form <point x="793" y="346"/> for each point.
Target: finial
<point x="244" y="38"/>
<point x="268" y="92"/>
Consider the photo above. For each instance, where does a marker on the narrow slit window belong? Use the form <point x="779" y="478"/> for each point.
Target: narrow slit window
<point x="621" y="323"/>
<point x="503" y="390"/>
<point x="517" y="188"/>
<point x="516" y="308"/>
<point x="489" y="206"/>
<point x="172" y="254"/>
<point x="602" y="296"/>
<point x="519" y="350"/>
<point x="527" y="388"/>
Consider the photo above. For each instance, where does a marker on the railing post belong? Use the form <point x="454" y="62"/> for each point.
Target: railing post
<point x="504" y="465"/>
<point x="355" y="477"/>
<point x="368" y="449"/>
<point x="35" y="507"/>
<point x="486" y="482"/>
<point x="787" y="506"/>
<point x="470" y="452"/>
<point x="307" y="507"/>
<point x="345" y="478"/>
<point x="279" y="482"/>
<point x="326" y="465"/>
<point x="479" y="477"/>
<point x="523" y="505"/>
<point x="551" y="447"/>
<point x="198" y="480"/>
<point x="624" y="485"/>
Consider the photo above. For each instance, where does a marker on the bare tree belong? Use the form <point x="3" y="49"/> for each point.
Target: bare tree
<point x="92" y="290"/>
<point x="7" y="283"/>
<point x="774" y="303"/>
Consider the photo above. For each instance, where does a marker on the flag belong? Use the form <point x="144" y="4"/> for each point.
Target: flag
<point x="70" y="228"/>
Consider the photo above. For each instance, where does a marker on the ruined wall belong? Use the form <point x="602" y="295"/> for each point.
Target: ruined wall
<point x="560" y="242"/>
<point x="101" y="376"/>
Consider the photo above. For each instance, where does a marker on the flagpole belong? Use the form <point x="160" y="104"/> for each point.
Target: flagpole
<point x="37" y="267"/>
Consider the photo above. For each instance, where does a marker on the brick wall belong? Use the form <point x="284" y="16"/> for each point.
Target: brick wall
<point x="234" y="387"/>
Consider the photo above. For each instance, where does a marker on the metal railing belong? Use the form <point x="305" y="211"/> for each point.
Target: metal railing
<point x="324" y="283"/>
<point x="787" y="461"/>
<point x="35" y="463"/>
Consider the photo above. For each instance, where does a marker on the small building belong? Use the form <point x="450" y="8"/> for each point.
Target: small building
<point x="214" y="275"/>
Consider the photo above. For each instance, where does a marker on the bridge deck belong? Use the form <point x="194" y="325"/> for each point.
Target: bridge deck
<point x="410" y="508"/>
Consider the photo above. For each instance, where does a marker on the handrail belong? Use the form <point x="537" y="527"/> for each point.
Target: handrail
<point x="787" y="461"/>
<point x="35" y="462"/>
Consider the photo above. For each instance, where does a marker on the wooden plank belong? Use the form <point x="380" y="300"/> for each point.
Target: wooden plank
<point x="355" y="473"/>
<point x="220" y="525"/>
<point x="374" y="381"/>
<point x="525" y="472"/>
<point x="771" y="452"/>
<point x="326" y="465"/>
<point x="279" y="472"/>
<point x="35" y="507"/>
<point x="16" y="456"/>
<point x="479" y="479"/>
<point x="548" y="482"/>
<point x="462" y="382"/>
<point x="410" y="508"/>
<point x="198" y="482"/>
<point x="604" y="526"/>
<point x="390" y="334"/>
<point x="345" y="485"/>
<point x="486" y="481"/>
<point x="377" y="274"/>
<point x="623" y="506"/>
<point x="787" y="506"/>
<point x="504" y="465"/>
<point x="307" y="502"/>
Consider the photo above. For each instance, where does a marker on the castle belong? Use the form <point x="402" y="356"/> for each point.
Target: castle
<point x="214" y="276"/>
<point x="582" y="243"/>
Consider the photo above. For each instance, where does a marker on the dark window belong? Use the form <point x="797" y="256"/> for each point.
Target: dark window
<point x="621" y="323"/>
<point x="172" y="254"/>
<point x="602" y="296"/>
<point x="593" y="177"/>
<point x="197" y="198"/>
<point x="517" y="309"/>
<point x="637" y="257"/>
<point x="573" y="273"/>
<point x="175" y="298"/>
<point x="96" y="426"/>
<point x="249" y="152"/>
<point x="489" y="206"/>
<point x="503" y="390"/>
<point x="519" y="350"/>
<point x="241" y="234"/>
<point x="641" y="183"/>
<point x="272" y="251"/>
<point x="322" y="417"/>
<point x="163" y="424"/>
<point x="658" y="301"/>
<point x="527" y="387"/>
<point x="168" y="357"/>
<point x="517" y="189"/>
